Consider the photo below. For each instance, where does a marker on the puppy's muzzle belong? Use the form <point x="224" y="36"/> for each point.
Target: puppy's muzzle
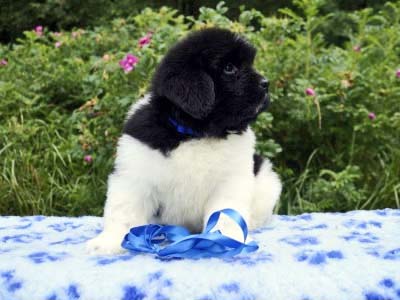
<point x="264" y="84"/>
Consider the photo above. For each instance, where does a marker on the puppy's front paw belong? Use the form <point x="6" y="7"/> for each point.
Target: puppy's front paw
<point x="105" y="244"/>
<point x="230" y="229"/>
<point x="235" y="234"/>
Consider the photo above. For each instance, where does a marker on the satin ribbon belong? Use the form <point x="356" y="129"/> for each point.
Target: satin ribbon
<point x="176" y="241"/>
<point x="183" y="129"/>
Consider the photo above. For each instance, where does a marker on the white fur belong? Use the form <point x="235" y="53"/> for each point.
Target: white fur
<point x="197" y="178"/>
<point x="135" y="106"/>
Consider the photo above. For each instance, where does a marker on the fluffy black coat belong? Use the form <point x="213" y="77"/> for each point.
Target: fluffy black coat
<point x="206" y="83"/>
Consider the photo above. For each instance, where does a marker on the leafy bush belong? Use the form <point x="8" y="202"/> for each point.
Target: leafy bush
<point x="16" y="16"/>
<point x="332" y="129"/>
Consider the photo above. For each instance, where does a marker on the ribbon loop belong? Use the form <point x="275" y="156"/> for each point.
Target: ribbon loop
<point x="176" y="241"/>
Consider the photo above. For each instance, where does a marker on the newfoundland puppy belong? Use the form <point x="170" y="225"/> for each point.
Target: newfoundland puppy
<point x="187" y="150"/>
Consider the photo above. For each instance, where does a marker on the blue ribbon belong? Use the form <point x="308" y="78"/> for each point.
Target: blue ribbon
<point x="176" y="241"/>
<point x="183" y="129"/>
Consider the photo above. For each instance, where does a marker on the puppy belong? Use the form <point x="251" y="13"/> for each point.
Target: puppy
<point x="187" y="150"/>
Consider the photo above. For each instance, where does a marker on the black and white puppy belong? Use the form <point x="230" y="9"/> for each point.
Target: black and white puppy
<point x="187" y="149"/>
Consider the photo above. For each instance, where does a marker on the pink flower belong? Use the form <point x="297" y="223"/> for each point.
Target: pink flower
<point x="310" y="92"/>
<point x="58" y="44"/>
<point x="128" y="63"/>
<point x="57" y="33"/>
<point x="3" y="62"/>
<point x="357" y="48"/>
<point x="39" y="30"/>
<point x="145" y="40"/>
<point x="371" y="116"/>
<point x="88" y="158"/>
<point x="106" y="57"/>
<point x="75" y="34"/>
<point x="398" y="73"/>
<point x="126" y="66"/>
<point x="131" y="59"/>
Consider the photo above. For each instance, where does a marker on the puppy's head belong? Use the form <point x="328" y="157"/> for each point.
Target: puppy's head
<point x="209" y="75"/>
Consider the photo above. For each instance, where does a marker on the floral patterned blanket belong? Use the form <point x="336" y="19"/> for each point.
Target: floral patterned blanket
<point x="354" y="255"/>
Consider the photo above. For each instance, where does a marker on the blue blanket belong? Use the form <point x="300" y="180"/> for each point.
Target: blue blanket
<point x="355" y="255"/>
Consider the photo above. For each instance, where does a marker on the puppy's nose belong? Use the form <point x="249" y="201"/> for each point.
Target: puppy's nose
<point x="264" y="84"/>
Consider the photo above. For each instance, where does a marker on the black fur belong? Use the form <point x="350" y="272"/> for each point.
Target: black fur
<point x="258" y="161"/>
<point x="205" y="82"/>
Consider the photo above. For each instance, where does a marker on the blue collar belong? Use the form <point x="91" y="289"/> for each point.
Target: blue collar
<point x="182" y="129"/>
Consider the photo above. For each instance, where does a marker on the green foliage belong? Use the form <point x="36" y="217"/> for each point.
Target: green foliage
<point x="60" y="104"/>
<point x="17" y="16"/>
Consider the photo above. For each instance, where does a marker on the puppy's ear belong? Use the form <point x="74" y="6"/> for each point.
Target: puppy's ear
<point x="191" y="90"/>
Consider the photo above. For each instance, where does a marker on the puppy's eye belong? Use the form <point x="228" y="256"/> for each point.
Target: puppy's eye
<point x="230" y="69"/>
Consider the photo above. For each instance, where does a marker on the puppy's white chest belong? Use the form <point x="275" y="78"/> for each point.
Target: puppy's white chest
<point x="193" y="172"/>
<point x="206" y="161"/>
<point x="181" y="183"/>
